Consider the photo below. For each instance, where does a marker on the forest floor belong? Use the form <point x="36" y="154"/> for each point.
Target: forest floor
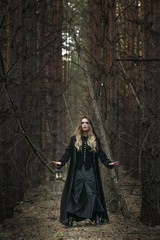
<point x="37" y="218"/>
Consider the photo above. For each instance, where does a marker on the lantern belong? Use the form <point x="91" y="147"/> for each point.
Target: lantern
<point x="58" y="173"/>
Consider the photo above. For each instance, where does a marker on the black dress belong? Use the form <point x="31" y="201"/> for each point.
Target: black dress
<point x="82" y="196"/>
<point x="84" y="202"/>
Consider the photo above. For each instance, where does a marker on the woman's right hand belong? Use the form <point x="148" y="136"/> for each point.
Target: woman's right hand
<point x="56" y="163"/>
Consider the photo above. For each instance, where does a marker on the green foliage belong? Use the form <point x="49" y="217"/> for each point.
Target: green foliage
<point x="58" y="235"/>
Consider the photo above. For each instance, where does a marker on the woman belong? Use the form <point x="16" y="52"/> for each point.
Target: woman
<point x="82" y="196"/>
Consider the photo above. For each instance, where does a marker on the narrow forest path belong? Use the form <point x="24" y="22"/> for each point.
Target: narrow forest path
<point x="36" y="218"/>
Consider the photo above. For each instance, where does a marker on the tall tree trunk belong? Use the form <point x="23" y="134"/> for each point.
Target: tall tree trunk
<point x="113" y="179"/>
<point x="58" y="100"/>
<point x="150" y="154"/>
<point x="50" y="67"/>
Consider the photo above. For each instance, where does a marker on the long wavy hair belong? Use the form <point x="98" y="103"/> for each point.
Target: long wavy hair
<point x="91" y="141"/>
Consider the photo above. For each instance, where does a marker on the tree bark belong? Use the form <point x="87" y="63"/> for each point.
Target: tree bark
<point x="150" y="155"/>
<point x="115" y="186"/>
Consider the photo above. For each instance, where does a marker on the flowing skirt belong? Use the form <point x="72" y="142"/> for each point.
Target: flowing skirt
<point x="84" y="202"/>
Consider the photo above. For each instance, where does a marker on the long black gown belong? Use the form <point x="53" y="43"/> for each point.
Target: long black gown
<point x="84" y="202"/>
<point x="83" y="197"/>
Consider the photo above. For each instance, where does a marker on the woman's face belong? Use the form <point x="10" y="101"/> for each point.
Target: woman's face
<point x="85" y="124"/>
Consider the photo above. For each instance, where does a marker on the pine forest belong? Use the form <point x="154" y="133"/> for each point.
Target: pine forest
<point x="62" y="60"/>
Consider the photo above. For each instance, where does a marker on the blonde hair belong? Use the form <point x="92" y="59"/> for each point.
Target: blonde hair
<point x="91" y="141"/>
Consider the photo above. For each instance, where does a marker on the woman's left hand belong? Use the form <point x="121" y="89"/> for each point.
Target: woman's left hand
<point x="56" y="163"/>
<point x="114" y="164"/>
